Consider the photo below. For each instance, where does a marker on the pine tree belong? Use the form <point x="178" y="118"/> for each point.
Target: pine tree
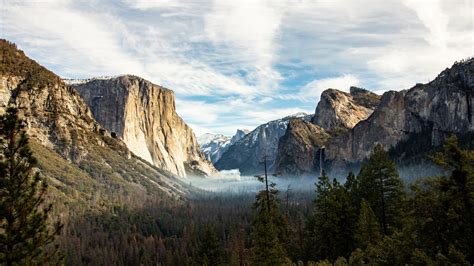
<point x="442" y="206"/>
<point x="210" y="250"/>
<point x="25" y="234"/>
<point x="381" y="186"/>
<point x="331" y="228"/>
<point x="368" y="229"/>
<point x="268" y="229"/>
<point x="352" y="187"/>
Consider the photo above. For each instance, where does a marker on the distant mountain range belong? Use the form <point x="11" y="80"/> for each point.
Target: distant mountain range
<point x="248" y="153"/>
<point x="345" y="127"/>
<point x="214" y="145"/>
<point x="126" y="128"/>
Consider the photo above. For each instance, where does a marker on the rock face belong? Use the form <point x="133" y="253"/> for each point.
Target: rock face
<point x="143" y="115"/>
<point x="214" y="145"/>
<point x="239" y="134"/>
<point x="434" y="110"/>
<point x="74" y="152"/>
<point x="341" y="110"/>
<point x="54" y="113"/>
<point x="299" y="149"/>
<point x="248" y="153"/>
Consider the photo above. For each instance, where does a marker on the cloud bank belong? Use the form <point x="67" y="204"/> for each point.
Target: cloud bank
<point x="236" y="64"/>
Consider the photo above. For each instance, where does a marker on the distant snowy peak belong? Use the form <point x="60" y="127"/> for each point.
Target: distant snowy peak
<point x="214" y="145"/>
<point x="70" y="81"/>
<point x="209" y="137"/>
<point x="239" y="135"/>
<point x="247" y="153"/>
<point x="302" y="115"/>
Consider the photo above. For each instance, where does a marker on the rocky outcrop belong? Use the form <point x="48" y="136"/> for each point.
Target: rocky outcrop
<point x="248" y="153"/>
<point x="214" y="145"/>
<point x="341" y="110"/>
<point x="299" y="149"/>
<point x="143" y="115"/>
<point x="434" y="110"/>
<point x="336" y="113"/>
<point x="239" y="134"/>
<point x="77" y="155"/>
<point x="55" y="114"/>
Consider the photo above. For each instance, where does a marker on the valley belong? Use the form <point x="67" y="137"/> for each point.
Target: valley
<point x="135" y="169"/>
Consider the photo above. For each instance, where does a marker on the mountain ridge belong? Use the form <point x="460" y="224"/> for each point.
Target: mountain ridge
<point x="62" y="129"/>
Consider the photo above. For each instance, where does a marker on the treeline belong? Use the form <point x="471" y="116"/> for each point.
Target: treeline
<point x="372" y="218"/>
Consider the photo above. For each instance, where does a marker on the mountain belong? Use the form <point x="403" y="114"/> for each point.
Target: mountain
<point x="298" y="150"/>
<point x="248" y="153"/>
<point x="341" y="110"/>
<point x="214" y="145"/>
<point x="412" y="122"/>
<point x="85" y="166"/>
<point x="144" y="116"/>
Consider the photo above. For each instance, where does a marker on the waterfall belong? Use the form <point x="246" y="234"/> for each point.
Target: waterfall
<point x="321" y="151"/>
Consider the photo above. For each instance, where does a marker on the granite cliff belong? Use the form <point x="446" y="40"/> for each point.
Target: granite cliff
<point x="423" y="116"/>
<point x="342" y="110"/>
<point x="81" y="160"/>
<point x="299" y="149"/>
<point x="144" y="116"/>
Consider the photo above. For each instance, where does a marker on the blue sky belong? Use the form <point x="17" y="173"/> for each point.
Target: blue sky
<point x="237" y="64"/>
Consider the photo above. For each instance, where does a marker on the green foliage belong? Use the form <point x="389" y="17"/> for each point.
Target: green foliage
<point x="368" y="229"/>
<point x="268" y="229"/>
<point x="210" y="250"/>
<point x="331" y="228"/>
<point x="381" y="186"/>
<point x="25" y="235"/>
<point x="443" y="205"/>
<point x="14" y="62"/>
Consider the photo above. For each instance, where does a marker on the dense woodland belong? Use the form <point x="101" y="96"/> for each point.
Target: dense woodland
<point x="371" y="218"/>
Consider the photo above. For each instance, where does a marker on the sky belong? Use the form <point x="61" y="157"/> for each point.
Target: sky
<point x="240" y="63"/>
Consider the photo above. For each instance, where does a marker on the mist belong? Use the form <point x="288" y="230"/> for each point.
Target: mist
<point x="230" y="181"/>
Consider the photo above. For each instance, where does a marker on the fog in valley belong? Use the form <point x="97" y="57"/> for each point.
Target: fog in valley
<point x="230" y="181"/>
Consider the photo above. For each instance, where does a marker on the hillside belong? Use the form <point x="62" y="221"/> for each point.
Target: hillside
<point x="83" y="162"/>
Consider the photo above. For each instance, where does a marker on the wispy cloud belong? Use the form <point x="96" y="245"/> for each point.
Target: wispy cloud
<point x="313" y="90"/>
<point x="240" y="63"/>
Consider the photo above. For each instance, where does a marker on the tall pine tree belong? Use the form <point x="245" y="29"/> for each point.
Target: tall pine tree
<point x="331" y="228"/>
<point x="368" y="229"/>
<point x="268" y="229"/>
<point x="443" y="206"/>
<point x="381" y="186"/>
<point x="24" y="230"/>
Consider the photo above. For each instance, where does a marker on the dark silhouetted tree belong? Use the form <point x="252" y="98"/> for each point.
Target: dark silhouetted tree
<point x="331" y="228"/>
<point x="268" y="229"/>
<point x="381" y="186"/>
<point x="25" y="235"/>
<point x="442" y="206"/>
